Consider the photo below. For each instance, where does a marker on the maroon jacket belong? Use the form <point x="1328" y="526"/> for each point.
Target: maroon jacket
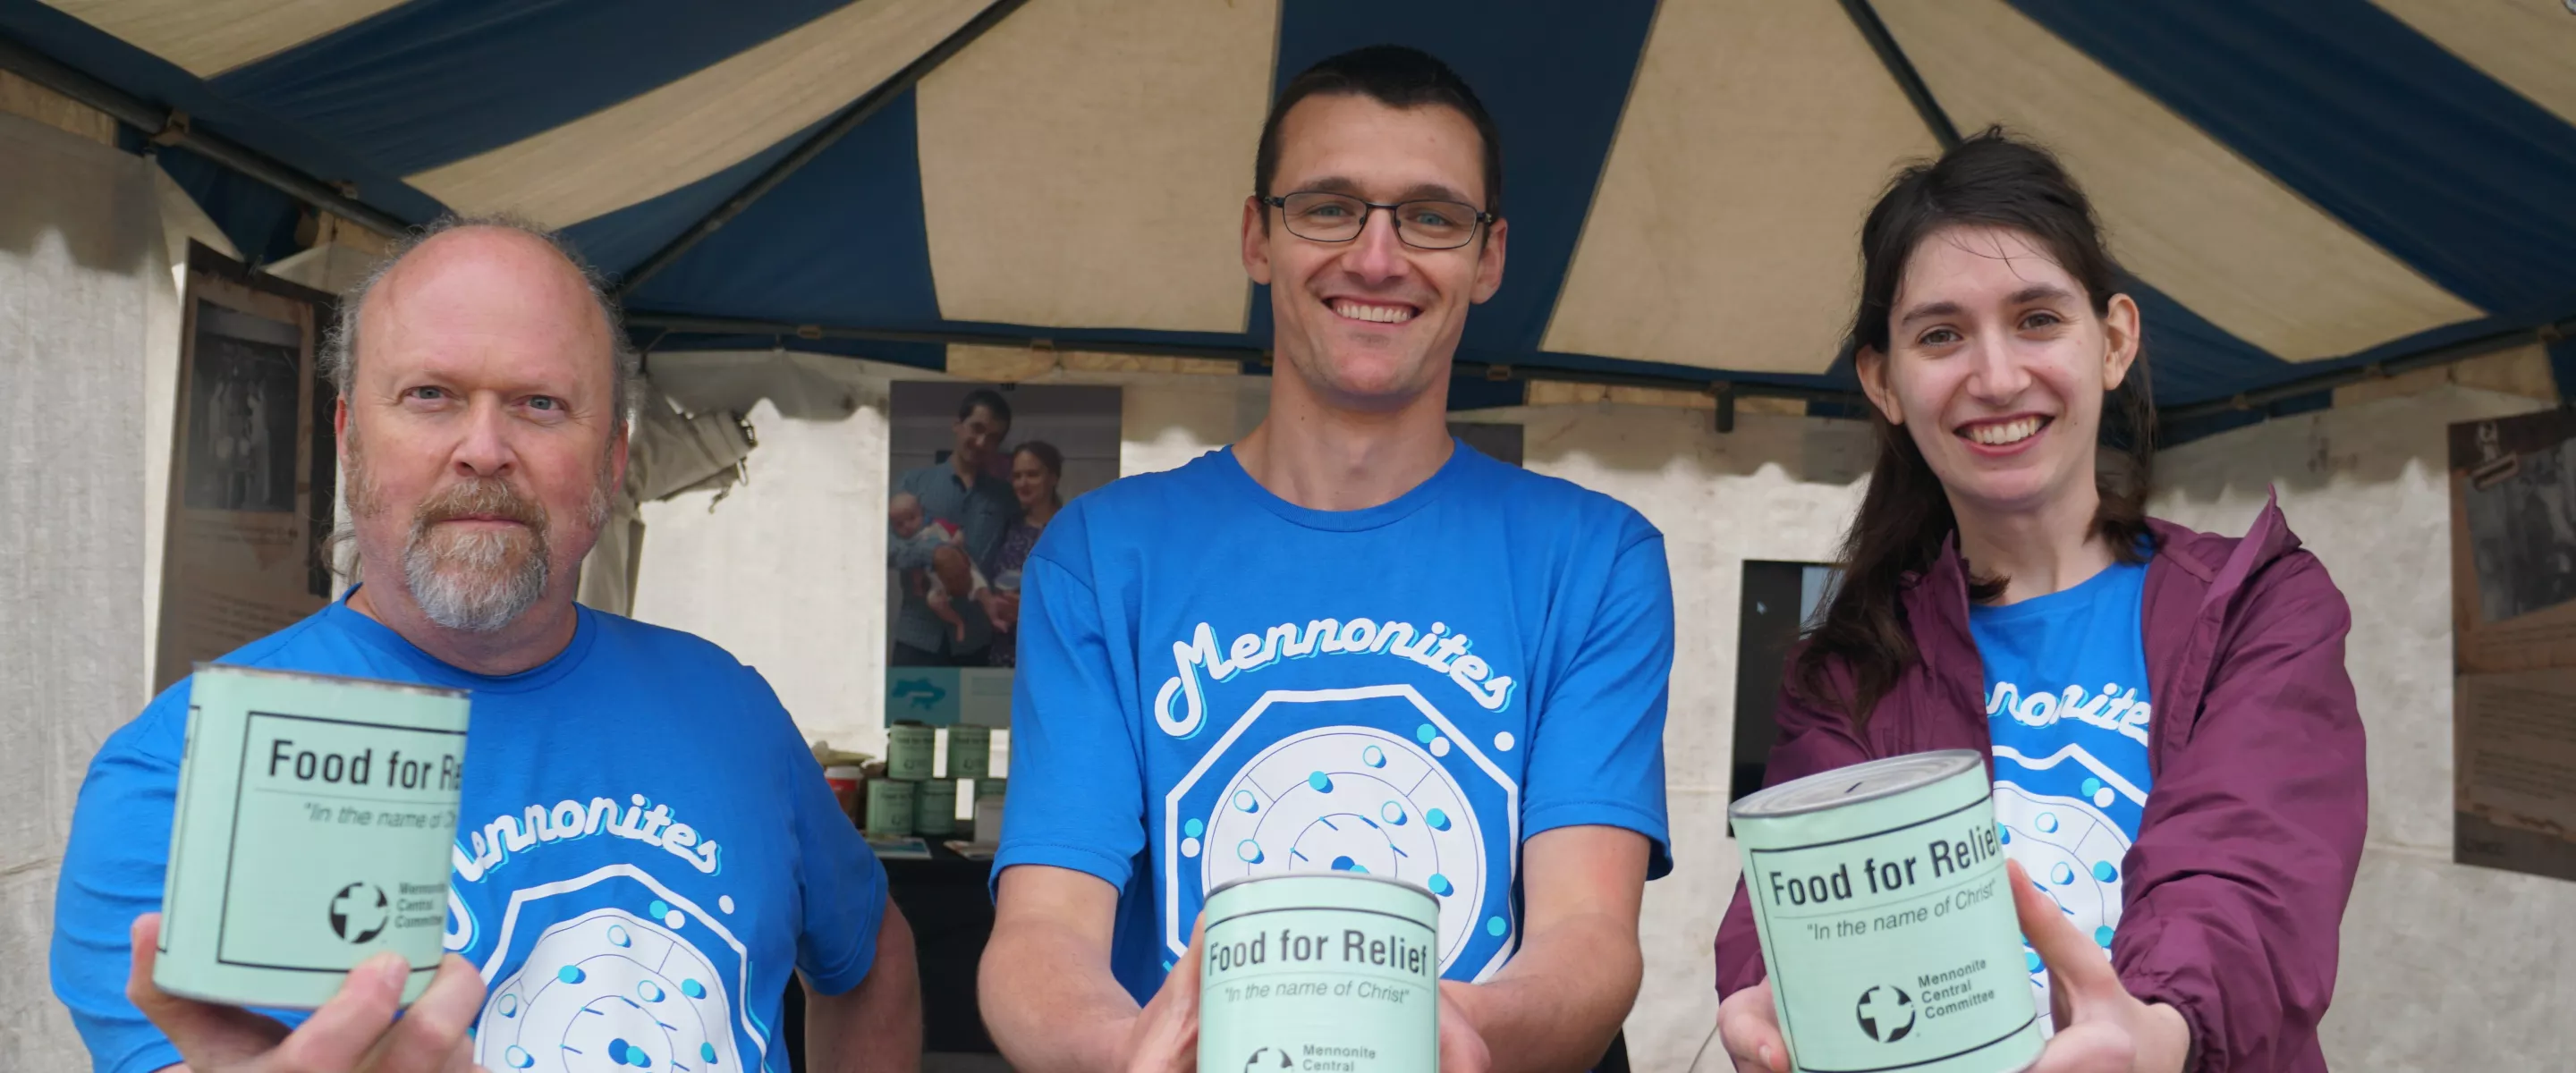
<point x="2252" y="831"/>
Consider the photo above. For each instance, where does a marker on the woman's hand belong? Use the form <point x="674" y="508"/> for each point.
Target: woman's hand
<point x="1748" y="1025"/>
<point x="2101" y="1028"/>
<point x="1003" y="610"/>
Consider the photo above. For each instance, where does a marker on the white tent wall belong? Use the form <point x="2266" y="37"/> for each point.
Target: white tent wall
<point x="2444" y="966"/>
<point x="85" y="294"/>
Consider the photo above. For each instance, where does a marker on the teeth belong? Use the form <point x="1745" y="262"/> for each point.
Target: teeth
<point x="1377" y="313"/>
<point x="2006" y="432"/>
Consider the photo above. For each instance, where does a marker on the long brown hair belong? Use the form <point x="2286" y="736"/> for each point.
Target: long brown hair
<point x="1995" y="180"/>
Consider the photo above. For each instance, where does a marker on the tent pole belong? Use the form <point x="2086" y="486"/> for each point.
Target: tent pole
<point x="2426" y="358"/>
<point x="1466" y="370"/>
<point x="848" y="120"/>
<point x="1892" y="56"/>
<point x="170" y="127"/>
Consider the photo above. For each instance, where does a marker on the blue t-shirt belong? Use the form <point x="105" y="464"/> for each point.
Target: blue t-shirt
<point x="1215" y="683"/>
<point x="601" y="928"/>
<point x="2066" y="699"/>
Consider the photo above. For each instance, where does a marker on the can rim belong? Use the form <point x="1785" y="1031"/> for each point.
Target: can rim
<point x="1238" y="881"/>
<point x="1936" y="766"/>
<point x="202" y="666"/>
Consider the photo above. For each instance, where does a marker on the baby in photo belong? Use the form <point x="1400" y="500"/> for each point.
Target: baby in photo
<point x="952" y="572"/>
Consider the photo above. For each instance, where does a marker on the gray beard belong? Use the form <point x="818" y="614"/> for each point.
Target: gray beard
<point x="464" y="587"/>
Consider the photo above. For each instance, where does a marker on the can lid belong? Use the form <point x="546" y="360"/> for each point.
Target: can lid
<point x="1391" y="880"/>
<point x="842" y="772"/>
<point x="204" y="666"/>
<point x="1867" y="781"/>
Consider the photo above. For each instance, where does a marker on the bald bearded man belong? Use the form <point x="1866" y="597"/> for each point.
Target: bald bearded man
<point x="483" y="380"/>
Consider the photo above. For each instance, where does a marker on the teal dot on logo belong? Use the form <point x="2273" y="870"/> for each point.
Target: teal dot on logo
<point x="570" y="974"/>
<point x="2032" y="956"/>
<point x="2102" y="935"/>
<point x="693" y="989"/>
<point x="657" y="910"/>
<point x="2004" y="833"/>
<point x="2103" y="871"/>
<point x="1495" y="927"/>
<point x="706" y="1052"/>
<point x="1425" y="733"/>
<point x="1194" y="828"/>
<point x="1322" y="783"/>
<point x="2092" y="786"/>
<point x="1440" y="885"/>
<point x="1438" y="820"/>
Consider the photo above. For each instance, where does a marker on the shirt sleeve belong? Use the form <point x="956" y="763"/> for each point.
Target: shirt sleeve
<point x="839" y="879"/>
<point x="1597" y="749"/>
<point x="1077" y="797"/>
<point x="112" y="873"/>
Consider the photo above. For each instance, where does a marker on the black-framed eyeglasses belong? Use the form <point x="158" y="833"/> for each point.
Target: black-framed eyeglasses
<point x="1324" y="216"/>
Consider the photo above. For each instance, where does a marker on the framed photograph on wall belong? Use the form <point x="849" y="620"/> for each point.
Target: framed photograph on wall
<point x="252" y="466"/>
<point x="977" y="471"/>
<point x="2513" y="598"/>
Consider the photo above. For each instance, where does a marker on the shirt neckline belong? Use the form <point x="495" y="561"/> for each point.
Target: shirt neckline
<point x="1230" y="472"/>
<point x="2056" y="602"/>
<point x="383" y="638"/>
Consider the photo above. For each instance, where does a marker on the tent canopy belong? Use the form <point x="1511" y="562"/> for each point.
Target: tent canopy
<point x="2297" y="186"/>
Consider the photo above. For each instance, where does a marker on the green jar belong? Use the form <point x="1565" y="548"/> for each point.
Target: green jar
<point x="970" y="751"/>
<point x="910" y="750"/>
<point x="313" y="829"/>
<point x="935" y="812"/>
<point x="1887" y="920"/>
<point x="1325" y="971"/>
<point x="891" y="806"/>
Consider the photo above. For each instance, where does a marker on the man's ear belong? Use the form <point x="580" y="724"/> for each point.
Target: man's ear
<point x="1489" y="261"/>
<point x="1872" y="367"/>
<point x="1256" y="240"/>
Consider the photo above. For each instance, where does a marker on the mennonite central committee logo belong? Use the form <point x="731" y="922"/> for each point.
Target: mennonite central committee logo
<point x="359" y="912"/>
<point x="1886" y="1013"/>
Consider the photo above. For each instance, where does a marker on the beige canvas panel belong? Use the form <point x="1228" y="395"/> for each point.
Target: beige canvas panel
<point x="209" y="37"/>
<point x="1084" y="164"/>
<point x="24" y="98"/>
<point x="2187" y="215"/>
<point x="1726" y="228"/>
<point x="702" y="124"/>
<point x="2529" y="45"/>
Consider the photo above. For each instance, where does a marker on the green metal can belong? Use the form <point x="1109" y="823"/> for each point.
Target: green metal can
<point x="1887" y="920"/>
<point x="935" y="813"/>
<point x="1330" y="971"/>
<point x="970" y="751"/>
<point x="911" y="749"/>
<point x="313" y="829"/>
<point x="891" y="807"/>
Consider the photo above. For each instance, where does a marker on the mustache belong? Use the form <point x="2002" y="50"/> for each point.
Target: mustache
<point x="485" y="497"/>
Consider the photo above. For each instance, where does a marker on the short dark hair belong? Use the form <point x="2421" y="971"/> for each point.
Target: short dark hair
<point x="987" y="398"/>
<point x="1397" y="77"/>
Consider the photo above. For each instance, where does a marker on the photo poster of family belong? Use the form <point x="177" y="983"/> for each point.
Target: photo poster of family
<point x="2513" y="547"/>
<point x="252" y="466"/>
<point x="977" y="471"/>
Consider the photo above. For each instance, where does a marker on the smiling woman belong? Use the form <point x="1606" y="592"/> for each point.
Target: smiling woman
<point x="2176" y="751"/>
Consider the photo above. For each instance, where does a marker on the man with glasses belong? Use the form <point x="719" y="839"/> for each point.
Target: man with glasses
<point x="1345" y="643"/>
